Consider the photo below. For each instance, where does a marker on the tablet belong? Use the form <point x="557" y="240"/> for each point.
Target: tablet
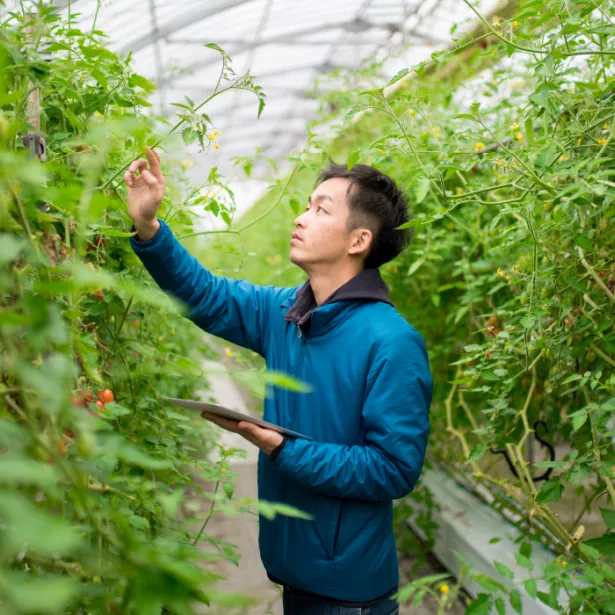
<point x="227" y="413"/>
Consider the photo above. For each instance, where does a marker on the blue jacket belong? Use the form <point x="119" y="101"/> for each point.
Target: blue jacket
<point x="368" y="415"/>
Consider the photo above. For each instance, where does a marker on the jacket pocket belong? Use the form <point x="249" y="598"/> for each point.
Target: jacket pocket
<point x="334" y="528"/>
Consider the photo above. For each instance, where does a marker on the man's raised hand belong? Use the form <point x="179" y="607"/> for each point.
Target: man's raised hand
<point x="145" y="193"/>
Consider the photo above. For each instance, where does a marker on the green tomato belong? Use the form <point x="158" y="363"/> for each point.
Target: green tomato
<point x="4" y="128"/>
<point x="86" y="444"/>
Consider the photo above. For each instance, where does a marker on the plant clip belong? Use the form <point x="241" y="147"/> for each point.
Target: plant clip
<point x="548" y="472"/>
<point x="36" y="144"/>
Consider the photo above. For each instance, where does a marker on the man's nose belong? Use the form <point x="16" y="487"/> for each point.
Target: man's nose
<point x="300" y="220"/>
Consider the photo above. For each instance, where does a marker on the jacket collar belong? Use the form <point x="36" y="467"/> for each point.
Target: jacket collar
<point x="368" y="285"/>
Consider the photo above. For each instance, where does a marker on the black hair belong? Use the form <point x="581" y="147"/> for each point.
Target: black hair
<point x="376" y="203"/>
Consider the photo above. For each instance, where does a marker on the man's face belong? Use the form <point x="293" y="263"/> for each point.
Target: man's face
<point x="321" y="236"/>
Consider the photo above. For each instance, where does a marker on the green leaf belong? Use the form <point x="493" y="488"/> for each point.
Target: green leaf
<point x="352" y="159"/>
<point x="43" y="533"/>
<point x="530" y="587"/>
<point x="228" y="489"/>
<point x="141" y="82"/>
<point x="415" y="265"/>
<point x="17" y="470"/>
<point x="584" y="242"/>
<point x="10" y="247"/>
<point x="481" y="605"/>
<point x="189" y="135"/>
<point x="294" y="205"/>
<point x="112" y="232"/>
<point x="216" y="47"/>
<point x="528" y="321"/>
<point x="269" y="510"/>
<point x="504" y="570"/>
<point x="477" y="452"/>
<point x="589" y="551"/>
<point x="38" y="595"/>
<point x="578" y="419"/>
<point x="551" y="491"/>
<point x="170" y="501"/>
<point x="607" y="515"/>
<point x="500" y="605"/>
<point x="524" y="561"/>
<point x="515" y="601"/>
<point x="529" y="130"/>
<point x="133" y="456"/>
<point x="421" y="189"/>
<point x="284" y="381"/>
<point x="604" y="544"/>
<point x="572" y="378"/>
<point x="402" y="73"/>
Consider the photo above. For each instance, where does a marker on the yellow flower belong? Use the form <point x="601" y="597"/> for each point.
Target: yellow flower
<point x="602" y="141"/>
<point x="444" y="588"/>
<point x="186" y="163"/>
<point x="499" y="163"/>
<point x="514" y="126"/>
<point x="579" y="140"/>
<point x="459" y="190"/>
<point x="519" y="136"/>
<point x="514" y="163"/>
<point x="98" y="114"/>
<point x="479" y="146"/>
<point x="515" y="24"/>
<point x="606" y="127"/>
<point x="216" y="146"/>
<point x="228" y="352"/>
<point x="223" y="470"/>
<point x="495" y="21"/>
<point x="500" y="273"/>
<point x="411" y="112"/>
<point x="565" y="157"/>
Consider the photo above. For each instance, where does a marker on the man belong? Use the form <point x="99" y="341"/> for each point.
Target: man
<point x="368" y="411"/>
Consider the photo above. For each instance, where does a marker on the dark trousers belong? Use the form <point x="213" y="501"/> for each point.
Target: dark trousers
<point x="297" y="603"/>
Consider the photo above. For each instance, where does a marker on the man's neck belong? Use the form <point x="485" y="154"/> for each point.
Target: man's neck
<point x="325" y="284"/>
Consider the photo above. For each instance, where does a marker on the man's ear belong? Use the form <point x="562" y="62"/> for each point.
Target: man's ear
<point x="361" y="241"/>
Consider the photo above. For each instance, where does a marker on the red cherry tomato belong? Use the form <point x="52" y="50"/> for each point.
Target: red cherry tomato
<point x="106" y="396"/>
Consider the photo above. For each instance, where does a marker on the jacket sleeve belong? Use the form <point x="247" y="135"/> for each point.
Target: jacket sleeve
<point x="231" y="309"/>
<point x="396" y="419"/>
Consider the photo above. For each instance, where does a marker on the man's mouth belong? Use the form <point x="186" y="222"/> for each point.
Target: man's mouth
<point x="296" y="236"/>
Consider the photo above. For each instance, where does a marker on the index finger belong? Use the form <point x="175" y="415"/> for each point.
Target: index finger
<point x="154" y="162"/>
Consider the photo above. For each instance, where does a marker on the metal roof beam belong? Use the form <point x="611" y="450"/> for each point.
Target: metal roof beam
<point x="205" y="11"/>
<point x="285" y="71"/>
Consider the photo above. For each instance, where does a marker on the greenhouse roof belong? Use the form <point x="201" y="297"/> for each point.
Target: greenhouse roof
<point x="285" y="44"/>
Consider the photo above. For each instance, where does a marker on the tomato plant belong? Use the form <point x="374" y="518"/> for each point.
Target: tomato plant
<point x="95" y="469"/>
